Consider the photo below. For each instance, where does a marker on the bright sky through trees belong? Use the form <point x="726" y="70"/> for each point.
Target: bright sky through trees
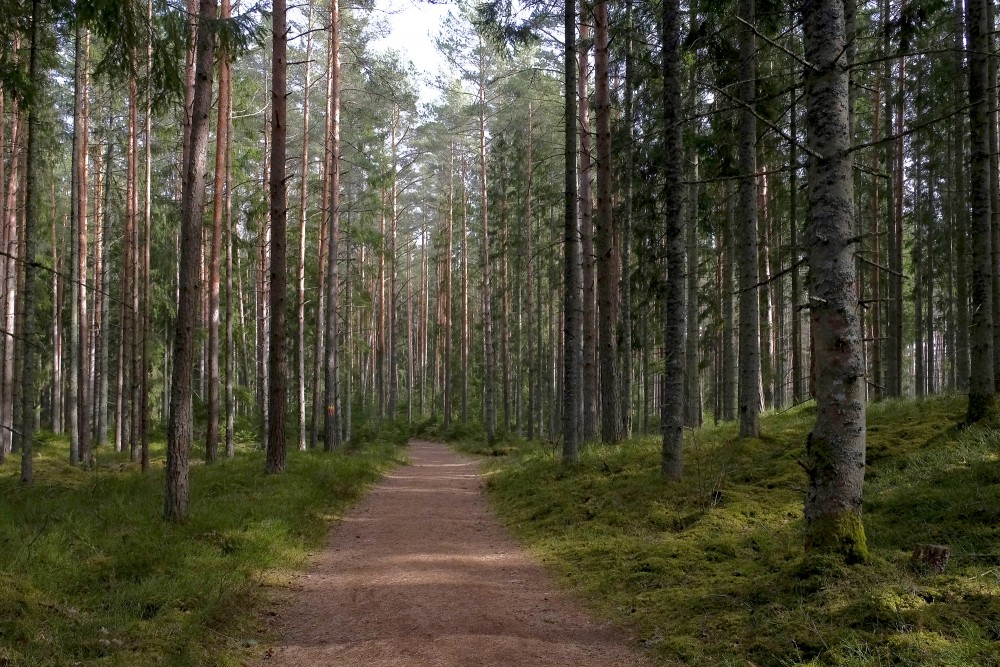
<point x="413" y="25"/>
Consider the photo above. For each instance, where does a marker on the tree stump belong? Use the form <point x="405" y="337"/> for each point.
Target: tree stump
<point x="930" y="558"/>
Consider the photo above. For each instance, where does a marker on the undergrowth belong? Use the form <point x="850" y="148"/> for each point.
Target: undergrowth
<point x="711" y="571"/>
<point x="91" y="575"/>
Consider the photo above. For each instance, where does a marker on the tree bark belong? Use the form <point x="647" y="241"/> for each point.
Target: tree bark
<point x="586" y="212"/>
<point x="215" y="262"/>
<point x="749" y="354"/>
<point x="332" y="426"/>
<point x="961" y="210"/>
<point x="981" y="379"/>
<point x="300" y="346"/>
<point x="672" y="420"/>
<point x="606" y="246"/>
<point x="278" y="355"/>
<point x="180" y="430"/>
<point x="573" y="356"/>
<point x="836" y="446"/>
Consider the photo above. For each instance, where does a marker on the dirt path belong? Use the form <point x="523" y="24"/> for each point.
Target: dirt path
<point x="422" y="573"/>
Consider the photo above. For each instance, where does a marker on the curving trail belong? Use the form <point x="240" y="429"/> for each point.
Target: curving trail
<point x="422" y="573"/>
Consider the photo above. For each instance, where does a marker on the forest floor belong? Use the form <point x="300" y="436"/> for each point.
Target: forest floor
<point x="421" y="572"/>
<point x="711" y="570"/>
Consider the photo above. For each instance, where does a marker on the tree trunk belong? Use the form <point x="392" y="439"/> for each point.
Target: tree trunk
<point x="332" y="426"/>
<point x="749" y="355"/>
<point x="729" y="368"/>
<point x="588" y="255"/>
<point x="29" y="372"/>
<point x="981" y="380"/>
<point x="278" y="357"/>
<point x="573" y="357"/>
<point x="180" y="430"/>
<point x="215" y="269"/>
<point x="627" y="205"/>
<point x="672" y="420"/>
<point x="300" y="345"/>
<point x="606" y="246"/>
<point x="529" y="278"/>
<point x="836" y="446"/>
<point x="961" y="211"/>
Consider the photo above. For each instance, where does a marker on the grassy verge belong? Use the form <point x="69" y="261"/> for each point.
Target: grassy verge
<point x="711" y="571"/>
<point x="91" y="575"/>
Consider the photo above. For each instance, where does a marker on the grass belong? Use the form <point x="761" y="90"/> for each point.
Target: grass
<point x="91" y="575"/>
<point x="711" y="571"/>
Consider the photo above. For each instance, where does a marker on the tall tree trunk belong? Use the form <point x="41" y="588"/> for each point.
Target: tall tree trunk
<point x="57" y="328"/>
<point x="78" y="220"/>
<point x="489" y="372"/>
<point x="332" y="426"/>
<point x="798" y="388"/>
<point x="300" y="346"/>
<point x="692" y="387"/>
<point x="319" y="349"/>
<point x="981" y="380"/>
<point x="146" y="330"/>
<point x="672" y="420"/>
<point x="278" y="357"/>
<point x="749" y="361"/>
<point x="231" y="249"/>
<point x="961" y="209"/>
<point x="447" y="328"/>
<point x="219" y="187"/>
<point x="103" y="311"/>
<point x="29" y="372"/>
<point x="626" y="268"/>
<point x="180" y="430"/>
<point x="588" y="255"/>
<point x="465" y="294"/>
<point x="729" y="368"/>
<point x="836" y="446"/>
<point x="991" y="86"/>
<point x="529" y="278"/>
<point x="573" y="357"/>
<point x="606" y="245"/>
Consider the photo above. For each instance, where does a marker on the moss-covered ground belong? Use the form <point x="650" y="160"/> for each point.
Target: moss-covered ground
<point x="711" y="571"/>
<point x="91" y="575"/>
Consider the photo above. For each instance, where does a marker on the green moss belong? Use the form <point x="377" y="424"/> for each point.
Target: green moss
<point x="706" y="579"/>
<point x="92" y="575"/>
<point x="839" y="533"/>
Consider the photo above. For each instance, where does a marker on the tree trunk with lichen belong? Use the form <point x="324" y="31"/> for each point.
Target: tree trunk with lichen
<point x="836" y="447"/>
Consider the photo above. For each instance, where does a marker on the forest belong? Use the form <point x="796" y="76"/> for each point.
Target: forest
<point x="696" y="281"/>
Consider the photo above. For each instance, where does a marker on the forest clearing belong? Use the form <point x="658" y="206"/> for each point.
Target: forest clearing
<point x="712" y="286"/>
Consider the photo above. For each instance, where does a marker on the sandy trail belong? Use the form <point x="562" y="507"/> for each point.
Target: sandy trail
<point x="422" y="573"/>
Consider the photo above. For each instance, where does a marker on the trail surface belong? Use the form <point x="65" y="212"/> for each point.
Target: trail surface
<point x="422" y="573"/>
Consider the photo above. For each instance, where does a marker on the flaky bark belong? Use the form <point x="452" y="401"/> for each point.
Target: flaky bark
<point x="836" y="446"/>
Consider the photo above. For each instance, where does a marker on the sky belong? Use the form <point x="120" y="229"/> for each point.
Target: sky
<point x="412" y="27"/>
